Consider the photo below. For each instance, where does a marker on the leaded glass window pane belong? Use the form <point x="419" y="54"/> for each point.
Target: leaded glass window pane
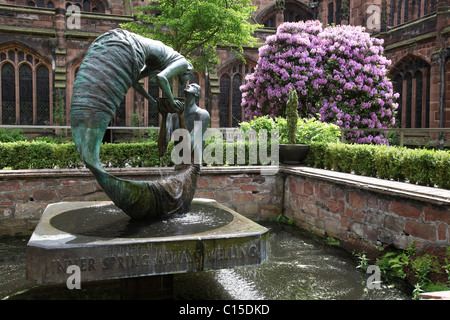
<point x="224" y="101"/>
<point x="8" y="94"/>
<point x="419" y="98"/>
<point x="42" y="96"/>
<point x="195" y="79"/>
<point x="12" y="56"/>
<point x="86" y="6"/>
<point x="236" y="106"/>
<point x="121" y="120"/>
<point x="338" y="11"/>
<point x="391" y="14"/>
<point x="331" y="13"/>
<point x="408" y="79"/>
<point x="153" y="114"/>
<point x="26" y="94"/>
<point x="406" y="11"/>
<point x="399" y="12"/>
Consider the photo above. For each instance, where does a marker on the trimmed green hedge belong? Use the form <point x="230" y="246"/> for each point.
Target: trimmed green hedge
<point x="421" y="166"/>
<point x="42" y="155"/>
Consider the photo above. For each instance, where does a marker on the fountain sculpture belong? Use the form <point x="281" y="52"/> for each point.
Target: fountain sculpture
<point x="149" y="228"/>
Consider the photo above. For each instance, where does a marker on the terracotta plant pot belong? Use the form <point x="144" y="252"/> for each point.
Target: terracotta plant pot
<point x="293" y="153"/>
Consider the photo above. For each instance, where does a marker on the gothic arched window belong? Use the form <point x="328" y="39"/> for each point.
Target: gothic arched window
<point x="25" y="88"/>
<point x="87" y="5"/>
<point x="8" y="76"/>
<point x="294" y="11"/>
<point x="412" y="81"/>
<point x="330" y="13"/>
<point x="334" y="12"/>
<point x="231" y="78"/>
<point x="402" y="11"/>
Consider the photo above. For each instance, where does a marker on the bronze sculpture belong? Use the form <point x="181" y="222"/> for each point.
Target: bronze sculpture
<point x="193" y="115"/>
<point x="116" y="61"/>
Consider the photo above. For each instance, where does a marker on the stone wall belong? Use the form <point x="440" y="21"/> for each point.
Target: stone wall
<point x="347" y="207"/>
<point x="24" y="194"/>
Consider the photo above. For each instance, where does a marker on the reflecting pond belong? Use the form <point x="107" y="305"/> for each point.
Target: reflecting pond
<point x="300" y="267"/>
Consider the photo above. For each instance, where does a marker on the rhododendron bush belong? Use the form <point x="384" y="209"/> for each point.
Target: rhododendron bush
<point x="339" y="72"/>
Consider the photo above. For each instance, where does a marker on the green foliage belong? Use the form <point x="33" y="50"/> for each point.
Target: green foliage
<point x="395" y="264"/>
<point x="308" y="130"/>
<point x="195" y="28"/>
<point x="292" y="116"/>
<point x="8" y="135"/>
<point x="260" y="124"/>
<point x="419" y="166"/>
<point x="282" y="219"/>
<point x="363" y="261"/>
<point x="423" y="266"/>
<point x="332" y="241"/>
<point x="43" y="155"/>
<point x="51" y="139"/>
<point x="60" y="113"/>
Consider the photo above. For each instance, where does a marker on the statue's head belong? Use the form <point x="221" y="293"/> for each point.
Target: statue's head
<point x="185" y="77"/>
<point x="195" y="90"/>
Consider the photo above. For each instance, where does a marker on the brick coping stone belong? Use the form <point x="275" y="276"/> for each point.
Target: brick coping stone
<point x="437" y="295"/>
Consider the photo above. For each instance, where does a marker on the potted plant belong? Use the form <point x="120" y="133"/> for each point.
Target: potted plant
<point x="292" y="152"/>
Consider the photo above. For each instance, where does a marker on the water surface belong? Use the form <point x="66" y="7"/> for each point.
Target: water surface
<point x="299" y="267"/>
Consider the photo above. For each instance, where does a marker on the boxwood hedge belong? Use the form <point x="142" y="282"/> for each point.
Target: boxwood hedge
<point x="41" y="155"/>
<point x="421" y="166"/>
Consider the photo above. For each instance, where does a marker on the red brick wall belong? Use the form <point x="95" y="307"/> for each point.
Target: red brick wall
<point x="351" y="214"/>
<point x="25" y="194"/>
<point x="348" y="213"/>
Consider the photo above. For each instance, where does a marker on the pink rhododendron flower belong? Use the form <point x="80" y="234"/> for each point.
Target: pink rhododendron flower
<point x="339" y="72"/>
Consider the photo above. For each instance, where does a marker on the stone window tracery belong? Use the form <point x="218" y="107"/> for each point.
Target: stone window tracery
<point x="231" y="78"/>
<point x="412" y="81"/>
<point x="25" y="88"/>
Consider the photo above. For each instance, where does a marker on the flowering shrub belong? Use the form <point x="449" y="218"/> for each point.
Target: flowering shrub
<point x="308" y="130"/>
<point x="339" y="72"/>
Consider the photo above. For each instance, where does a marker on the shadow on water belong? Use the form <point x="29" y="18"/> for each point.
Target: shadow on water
<point x="299" y="268"/>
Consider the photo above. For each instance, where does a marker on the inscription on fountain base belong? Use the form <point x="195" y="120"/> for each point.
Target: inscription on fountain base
<point x="51" y="251"/>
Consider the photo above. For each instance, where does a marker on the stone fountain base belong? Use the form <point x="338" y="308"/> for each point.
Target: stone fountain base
<point x="104" y="243"/>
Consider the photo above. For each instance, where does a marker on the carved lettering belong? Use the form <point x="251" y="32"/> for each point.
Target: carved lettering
<point x="130" y="258"/>
<point x="85" y="264"/>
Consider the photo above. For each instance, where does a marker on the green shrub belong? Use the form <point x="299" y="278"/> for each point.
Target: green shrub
<point x="43" y="155"/>
<point x="8" y="135"/>
<point x="308" y="130"/>
<point x="419" y="166"/>
<point x="424" y="167"/>
<point x="292" y="116"/>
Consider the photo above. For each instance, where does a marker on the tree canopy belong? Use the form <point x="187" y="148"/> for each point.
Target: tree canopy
<point x="195" y="28"/>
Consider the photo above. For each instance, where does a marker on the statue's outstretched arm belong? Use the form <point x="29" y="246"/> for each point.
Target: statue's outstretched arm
<point x="177" y="68"/>
<point x="138" y="87"/>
